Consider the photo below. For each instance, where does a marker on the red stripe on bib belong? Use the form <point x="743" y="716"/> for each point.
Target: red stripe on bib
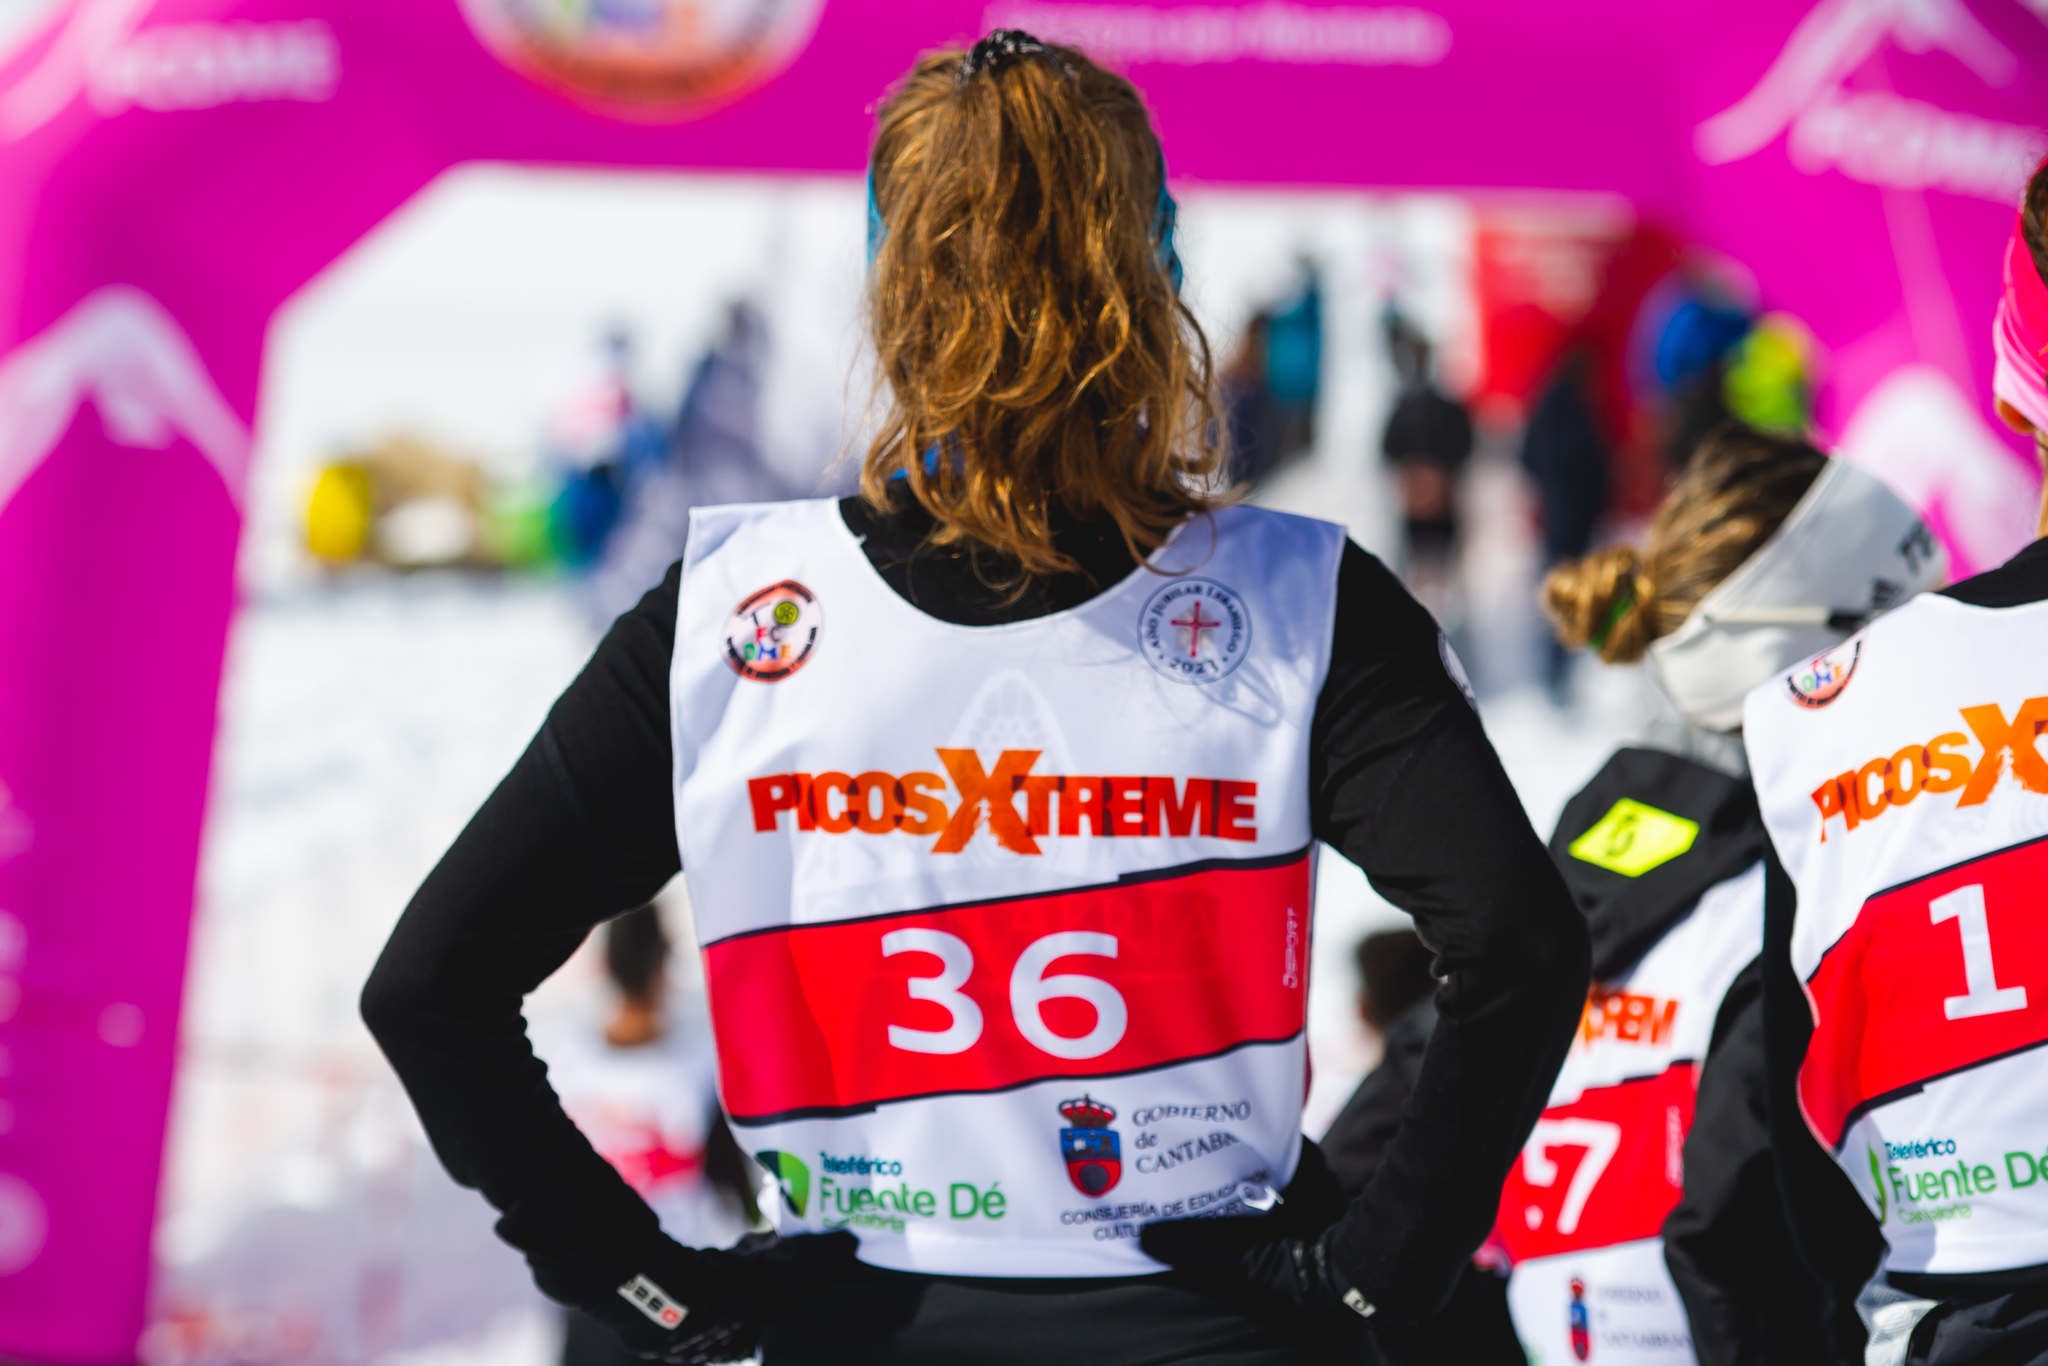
<point x="844" y="1016"/>
<point x="1602" y="1170"/>
<point x="1934" y="977"/>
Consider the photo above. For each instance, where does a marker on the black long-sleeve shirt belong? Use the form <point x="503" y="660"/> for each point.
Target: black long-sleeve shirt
<point x="1405" y="784"/>
<point x="1750" y="1296"/>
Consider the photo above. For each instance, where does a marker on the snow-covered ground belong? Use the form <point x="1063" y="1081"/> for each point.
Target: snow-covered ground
<point x="364" y="718"/>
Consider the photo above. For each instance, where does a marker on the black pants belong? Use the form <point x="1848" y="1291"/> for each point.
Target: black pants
<point x="2007" y="1330"/>
<point x="881" y="1316"/>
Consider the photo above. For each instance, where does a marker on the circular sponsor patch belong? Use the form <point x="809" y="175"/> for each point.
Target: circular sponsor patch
<point x="773" y="632"/>
<point x="1821" y="679"/>
<point x="1195" y="630"/>
<point x="648" y="59"/>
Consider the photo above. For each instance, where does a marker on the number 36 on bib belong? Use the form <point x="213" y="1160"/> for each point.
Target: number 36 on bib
<point x="829" y="1018"/>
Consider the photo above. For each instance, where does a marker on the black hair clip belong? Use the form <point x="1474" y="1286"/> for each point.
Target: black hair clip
<point x="1001" y="47"/>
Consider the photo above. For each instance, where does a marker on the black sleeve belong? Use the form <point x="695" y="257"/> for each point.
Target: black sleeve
<point x="1831" y="1227"/>
<point x="728" y="1172"/>
<point x="1405" y="785"/>
<point x="579" y="830"/>
<point x="1750" y="1298"/>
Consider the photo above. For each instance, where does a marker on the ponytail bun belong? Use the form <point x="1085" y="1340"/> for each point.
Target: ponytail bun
<point x="1606" y="601"/>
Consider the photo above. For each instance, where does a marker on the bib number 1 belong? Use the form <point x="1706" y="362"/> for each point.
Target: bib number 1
<point x="1030" y="989"/>
<point x="1932" y="979"/>
<point x="1965" y="906"/>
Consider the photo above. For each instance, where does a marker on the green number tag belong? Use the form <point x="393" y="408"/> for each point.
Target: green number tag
<point x="1632" y="838"/>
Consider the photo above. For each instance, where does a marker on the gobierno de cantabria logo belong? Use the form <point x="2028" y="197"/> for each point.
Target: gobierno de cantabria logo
<point x="646" y="59"/>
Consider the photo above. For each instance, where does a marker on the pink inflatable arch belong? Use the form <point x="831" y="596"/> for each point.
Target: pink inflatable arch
<point x="174" y="170"/>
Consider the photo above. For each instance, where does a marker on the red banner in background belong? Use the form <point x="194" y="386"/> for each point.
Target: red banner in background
<point x="1549" y="283"/>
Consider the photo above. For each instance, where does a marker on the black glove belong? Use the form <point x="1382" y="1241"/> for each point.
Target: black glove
<point x="1284" y="1256"/>
<point x="1233" y="1256"/>
<point x="692" y="1306"/>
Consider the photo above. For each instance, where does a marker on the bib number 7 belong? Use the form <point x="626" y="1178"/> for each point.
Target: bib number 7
<point x="1598" y="1139"/>
<point x="1030" y="989"/>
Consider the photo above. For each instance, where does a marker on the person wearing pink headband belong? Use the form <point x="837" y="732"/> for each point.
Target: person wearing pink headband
<point x="1904" y="785"/>
<point x="2019" y="380"/>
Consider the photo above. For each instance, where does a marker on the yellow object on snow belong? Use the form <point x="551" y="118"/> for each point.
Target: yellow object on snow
<point x="339" y="511"/>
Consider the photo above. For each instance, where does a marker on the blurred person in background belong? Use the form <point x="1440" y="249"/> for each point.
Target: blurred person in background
<point x="989" y="1097"/>
<point x="1693" y="351"/>
<point x="1294" y="362"/>
<point x="644" y="1089"/>
<point x="716" y="437"/>
<point x="602" y="440"/>
<point x="1397" y="1006"/>
<point x="1248" y="408"/>
<point x="1764" y="552"/>
<point x="1566" y="457"/>
<point x="1903" y="783"/>
<point x="713" y="453"/>
<point x="1428" y="443"/>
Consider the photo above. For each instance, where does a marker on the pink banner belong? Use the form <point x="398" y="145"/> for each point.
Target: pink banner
<point x="174" y="171"/>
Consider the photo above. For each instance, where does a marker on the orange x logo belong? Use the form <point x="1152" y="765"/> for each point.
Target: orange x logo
<point x="1999" y="736"/>
<point x="996" y="792"/>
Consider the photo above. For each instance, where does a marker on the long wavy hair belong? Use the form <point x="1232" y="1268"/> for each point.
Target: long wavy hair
<point x="1033" y="350"/>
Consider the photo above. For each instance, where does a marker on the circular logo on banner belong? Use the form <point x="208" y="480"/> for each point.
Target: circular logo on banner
<point x="1195" y="630"/>
<point x="773" y="632"/>
<point x="651" y="59"/>
<point x="1821" y="680"/>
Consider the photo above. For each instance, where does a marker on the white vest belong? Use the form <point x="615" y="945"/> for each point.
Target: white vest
<point x="1903" y="785"/>
<point x="1005" y="928"/>
<point x="1582" y="1212"/>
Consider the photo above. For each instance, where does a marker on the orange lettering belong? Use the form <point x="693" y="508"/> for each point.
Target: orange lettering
<point x="1626" y="1017"/>
<point x="1943" y="759"/>
<point x="822" y="787"/>
<point x="995" y="792"/>
<point x="1912" y="759"/>
<point x="1872" y="804"/>
<point x="1038" y="790"/>
<point x="871" y="821"/>
<point x="1081" y="799"/>
<point x="2000" y="737"/>
<point x="771" y="797"/>
<point x="923" y="813"/>
<point x="1119" y="806"/>
<point x="1828" y="798"/>
<point x="1234" y="806"/>
<point x="1124" y="799"/>
<point x="1940" y="765"/>
<point x="1188" y="813"/>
